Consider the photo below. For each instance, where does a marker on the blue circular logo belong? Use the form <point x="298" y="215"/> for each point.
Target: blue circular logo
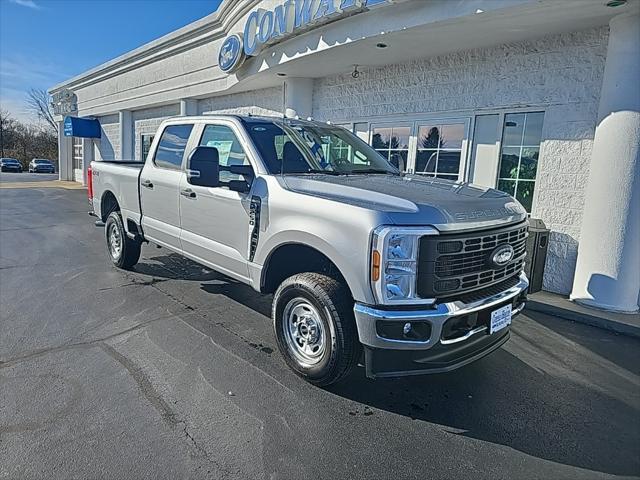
<point x="231" y="53"/>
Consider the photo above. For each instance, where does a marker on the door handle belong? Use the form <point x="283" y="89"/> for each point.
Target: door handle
<point x="187" y="192"/>
<point x="147" y="184"/>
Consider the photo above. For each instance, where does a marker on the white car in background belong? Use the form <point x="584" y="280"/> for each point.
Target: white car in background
<point x="41" y="165"/>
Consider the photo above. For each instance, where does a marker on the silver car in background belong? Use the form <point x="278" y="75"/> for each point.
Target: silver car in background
<point x="41" y="165"/>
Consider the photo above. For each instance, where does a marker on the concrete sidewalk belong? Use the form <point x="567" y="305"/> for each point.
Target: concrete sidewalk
<point x="560" y="306"/>
<point x="45" y="184"/>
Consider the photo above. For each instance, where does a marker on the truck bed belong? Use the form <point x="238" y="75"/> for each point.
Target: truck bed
<point x="122" y="178"/>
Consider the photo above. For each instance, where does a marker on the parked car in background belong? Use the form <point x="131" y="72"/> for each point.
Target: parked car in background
<point x="41" y="165"/>
<point x="10" y="165"/>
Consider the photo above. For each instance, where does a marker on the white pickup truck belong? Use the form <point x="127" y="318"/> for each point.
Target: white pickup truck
<point x="403" y="273"/>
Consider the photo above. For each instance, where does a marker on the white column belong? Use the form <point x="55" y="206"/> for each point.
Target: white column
<point x="87" y="157"/>
<point x="608" y="267"/>
<point x="65" y="161"/>
<point x="188" y="106"/>
<point x="298" y="97"/>
<point x="126" y="135"/>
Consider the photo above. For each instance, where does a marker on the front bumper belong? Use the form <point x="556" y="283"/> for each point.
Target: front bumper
<point x="439" y="350"/>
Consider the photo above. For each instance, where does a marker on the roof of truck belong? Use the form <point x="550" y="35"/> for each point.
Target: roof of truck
<point x="246" y="118"/>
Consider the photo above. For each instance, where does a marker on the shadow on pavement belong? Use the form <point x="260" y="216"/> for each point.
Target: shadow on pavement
<point x="174" y="267"/>
<point x="502" y="400"/>
<point x="597" y="340"/>
<point x="499" y="399"/>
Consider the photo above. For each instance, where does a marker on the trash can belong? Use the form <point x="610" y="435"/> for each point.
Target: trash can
<point x="537" y="245"/>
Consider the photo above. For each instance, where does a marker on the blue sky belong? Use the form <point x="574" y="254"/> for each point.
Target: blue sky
<point x="43" y="42"/>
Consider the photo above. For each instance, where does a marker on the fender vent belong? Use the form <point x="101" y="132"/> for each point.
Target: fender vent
<point x="254" y="225"/>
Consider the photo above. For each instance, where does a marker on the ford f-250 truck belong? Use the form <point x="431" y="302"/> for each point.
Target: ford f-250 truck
<point x="404" y="273"/>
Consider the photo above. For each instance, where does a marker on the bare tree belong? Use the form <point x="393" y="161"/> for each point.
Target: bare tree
<point x="7" y="130"/>
<point x="39" y="103"/>
<point x="25" y="141"/>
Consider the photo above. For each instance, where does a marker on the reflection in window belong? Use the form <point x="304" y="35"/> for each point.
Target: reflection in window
<point x="392" y="143"/>
<point x="172" y="145"/>
<point x="230" y="152"/>
<point x="439" y="150"/>
<point x="146" y="142"/>
<point x="519" y="154"/>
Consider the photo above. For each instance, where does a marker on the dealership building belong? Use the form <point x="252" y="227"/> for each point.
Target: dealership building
<point x="539" y="98"/>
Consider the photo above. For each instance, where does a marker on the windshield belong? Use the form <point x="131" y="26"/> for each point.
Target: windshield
<point x="303" y="147"/>
<point x="41" y="161"/>
<point x="9" y="160"/>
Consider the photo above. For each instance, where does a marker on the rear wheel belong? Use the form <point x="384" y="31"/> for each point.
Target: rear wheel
<point x="124" y="252"/>
<point x="315" y="328"/>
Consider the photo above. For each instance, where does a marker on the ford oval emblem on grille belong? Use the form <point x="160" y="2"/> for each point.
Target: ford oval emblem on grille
<point x="501" y="255"/>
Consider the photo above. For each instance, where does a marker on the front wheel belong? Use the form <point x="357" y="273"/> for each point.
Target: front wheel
<point x="315" y="327"/>
<point x="123" y="251"/>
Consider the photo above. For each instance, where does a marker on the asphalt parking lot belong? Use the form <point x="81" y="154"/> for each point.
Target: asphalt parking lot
<point x="171" y="371"/>
<point x="27" y="177"/>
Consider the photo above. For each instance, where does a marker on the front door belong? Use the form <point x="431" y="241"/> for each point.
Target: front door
<point x="159" y="187"/>
<point x="215" y="221"/>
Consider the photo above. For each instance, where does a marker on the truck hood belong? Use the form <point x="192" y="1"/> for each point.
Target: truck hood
<point x="414" y="199"/>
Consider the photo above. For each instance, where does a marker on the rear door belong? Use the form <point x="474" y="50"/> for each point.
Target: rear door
<point x="159" y="186"/>
<point x="215" y="221"/>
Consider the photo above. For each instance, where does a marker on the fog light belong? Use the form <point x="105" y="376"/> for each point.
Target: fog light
<point x="412" y="331"/>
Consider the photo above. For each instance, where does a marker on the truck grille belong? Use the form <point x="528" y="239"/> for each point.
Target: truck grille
<point x="460" y="263"/>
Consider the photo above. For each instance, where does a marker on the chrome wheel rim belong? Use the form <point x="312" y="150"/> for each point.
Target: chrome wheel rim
<point x="114" y="241"/>
<point x="304" y="331"/>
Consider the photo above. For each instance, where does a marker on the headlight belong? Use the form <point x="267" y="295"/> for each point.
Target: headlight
<point x="394" y="260"/>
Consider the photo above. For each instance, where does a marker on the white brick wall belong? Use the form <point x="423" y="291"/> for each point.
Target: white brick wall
<point x="562" y="74"/>
<point x="147" y="122"/>
<point x="108" y="148"/>
<point x="267" y="101"/>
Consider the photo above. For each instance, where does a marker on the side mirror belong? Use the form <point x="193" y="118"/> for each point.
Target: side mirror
<point x="204" y="167"/>
<point x="239" y="186"/>
<point x="245" y="170"/>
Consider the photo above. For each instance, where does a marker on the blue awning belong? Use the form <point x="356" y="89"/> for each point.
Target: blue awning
<point x="81" y="127"/>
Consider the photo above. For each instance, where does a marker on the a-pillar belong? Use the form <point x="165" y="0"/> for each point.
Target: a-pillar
<point x="608" y="265"/>
<point x="298" y="97"/>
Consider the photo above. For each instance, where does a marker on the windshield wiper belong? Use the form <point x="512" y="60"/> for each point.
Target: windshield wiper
<point x="314" y="171"/>
<point x="370" y="170"/>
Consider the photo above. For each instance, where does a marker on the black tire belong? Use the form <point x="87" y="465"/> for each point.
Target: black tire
<point x="129" y="252"/>
<point x="334" y="305"/>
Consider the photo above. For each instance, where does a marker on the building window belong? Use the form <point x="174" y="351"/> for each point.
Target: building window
<point x="439" y="150"/>
<point x="146" y="141"/>
<point x="392" y="143"/>
<point x="519" y="153"/>
<point x="173" y="143"/>
<point x="77" y="153"/>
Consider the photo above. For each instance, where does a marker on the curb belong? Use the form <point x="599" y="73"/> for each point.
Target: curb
<point x="586" y="318"/>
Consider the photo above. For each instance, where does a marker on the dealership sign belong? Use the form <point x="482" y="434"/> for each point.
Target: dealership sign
<point x="64" y="102"/>
<point x="266" y="27"/>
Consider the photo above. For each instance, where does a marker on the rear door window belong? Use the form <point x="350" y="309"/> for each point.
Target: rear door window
<point x="173" y="143"/>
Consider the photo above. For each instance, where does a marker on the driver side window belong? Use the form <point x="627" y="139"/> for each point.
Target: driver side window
<point x="230" y="151"/>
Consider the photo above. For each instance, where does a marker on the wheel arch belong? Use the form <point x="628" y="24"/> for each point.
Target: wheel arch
<point x="108" y="204"/>
<point x="290" y="258"/>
